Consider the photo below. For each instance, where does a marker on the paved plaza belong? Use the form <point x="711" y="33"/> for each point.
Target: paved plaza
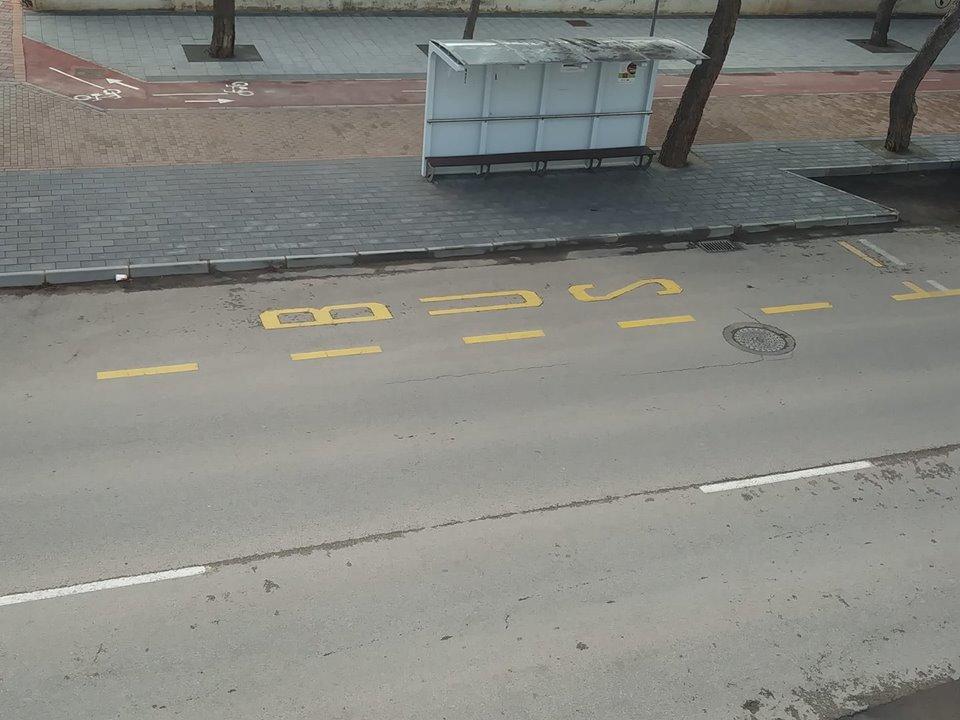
<point x="150" y="46"/>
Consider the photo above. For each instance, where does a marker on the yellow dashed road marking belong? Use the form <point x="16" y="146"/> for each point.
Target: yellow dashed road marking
<point x="803" y="307"/>
<point x="139" y="372"/>
<point x="500" y="337"/>
<point x="652" y="322"/>
<point x="860" y="254"/>
<point x="339" y="352"/>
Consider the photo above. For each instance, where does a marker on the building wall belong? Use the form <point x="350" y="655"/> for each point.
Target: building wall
<point x="578" y="7"/>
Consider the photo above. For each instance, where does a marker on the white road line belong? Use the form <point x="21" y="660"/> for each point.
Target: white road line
<point x="114" y="81"/>
<point x="73" y="77"/>
<point x="221" y="92"/>
<point x="784" y="477"/>
<point x="102" y="585"/>
<point x="881" y="251"/>
<point x="936" y="286"/>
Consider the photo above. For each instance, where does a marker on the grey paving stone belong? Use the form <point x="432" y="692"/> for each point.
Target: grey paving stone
<point x="250" y="263"/>
<point x="84" y="274"/>
<point x="280" y="224"/>
<point x="20" y="278"/>
<point x="197" y="267"/>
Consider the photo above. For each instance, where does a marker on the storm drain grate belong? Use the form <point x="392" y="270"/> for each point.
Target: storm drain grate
<point x="718" y="246"/>
<point x="759" y="339"/>
<point x="579" y="23"/>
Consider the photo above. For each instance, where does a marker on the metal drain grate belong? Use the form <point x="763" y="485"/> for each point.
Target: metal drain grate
<point x="718" y="246"/>
<point x="759" y="339"/>
<point x="579" y="23"/>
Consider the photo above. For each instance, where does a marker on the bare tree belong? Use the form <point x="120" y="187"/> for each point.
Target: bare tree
<point x="224" y="31"/>
<point x="686" y="121"/>
<point x="471" y="25"/>
<point x="881" y="24"/>
<point x="903" y="99"/>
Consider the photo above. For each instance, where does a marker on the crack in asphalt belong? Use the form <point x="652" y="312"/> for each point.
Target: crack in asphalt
<point x="697" y="367"/>
<point x="880" y="462"/>
<point x="471" y="374"/>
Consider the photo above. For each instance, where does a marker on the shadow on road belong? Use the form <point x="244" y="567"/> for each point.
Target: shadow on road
<point x="923" y="198"/>
<point x="937" y="703"/>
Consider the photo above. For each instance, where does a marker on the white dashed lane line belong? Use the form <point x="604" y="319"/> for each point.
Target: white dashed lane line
<point x="883" y="253"/>
<point x="787" y="476"/>
<point x="110" y="584"/>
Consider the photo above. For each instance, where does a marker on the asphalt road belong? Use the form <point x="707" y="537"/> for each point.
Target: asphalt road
<point x="506" y="528"/>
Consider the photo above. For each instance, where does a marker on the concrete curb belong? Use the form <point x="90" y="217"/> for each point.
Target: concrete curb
<point x="664" y="238"/>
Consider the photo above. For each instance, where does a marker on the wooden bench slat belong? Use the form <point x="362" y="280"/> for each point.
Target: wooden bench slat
<point x="540" y="157"/>
<point x="548" y="155"/>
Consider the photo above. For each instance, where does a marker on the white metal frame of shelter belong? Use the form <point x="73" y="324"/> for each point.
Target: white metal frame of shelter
<point x="522" y="96"/>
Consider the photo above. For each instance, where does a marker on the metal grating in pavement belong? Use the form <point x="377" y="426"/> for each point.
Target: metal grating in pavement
<point x="719" y="246"/>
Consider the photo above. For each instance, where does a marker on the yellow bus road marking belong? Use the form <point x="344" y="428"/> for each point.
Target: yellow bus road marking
<point x="528" y="298"/>
<point x="274" y="319"/>
<point x="500" y="337"/>
<point x="860" y="254"/>
<point x="139" y="372"/>
<point x="339" y="352"/>
<point x="652" y="322"/>
<point x="920" y="294"/>
<point x="803" y="307"/>
<point x="667" y="287"/>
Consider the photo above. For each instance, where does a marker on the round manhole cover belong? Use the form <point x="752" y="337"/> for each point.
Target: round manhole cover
<point x="759" y="339"/>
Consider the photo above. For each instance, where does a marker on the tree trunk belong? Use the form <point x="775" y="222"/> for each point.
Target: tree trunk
<point x="686" y="121"/>
<point x="224" y="34"/>
<point x="881" y="25"/>
<point x="471" y="25"/>
<point x="903" y="99"/>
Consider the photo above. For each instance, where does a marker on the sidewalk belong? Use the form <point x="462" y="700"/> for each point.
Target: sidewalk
<point x="87" y="193"/>
<point x="6" y="46"/>
<point x="149" y="47"/>
<point x="315" y="214"/>
<point x="45" y="131"/>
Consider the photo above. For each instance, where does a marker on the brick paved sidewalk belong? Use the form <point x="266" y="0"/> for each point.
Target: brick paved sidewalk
<point x="41" y="130"/>
<point x="6" y="47"/>
<point x="150" y="46"/>
<point x="6" y="39"/>
<point x="62" y="220"/>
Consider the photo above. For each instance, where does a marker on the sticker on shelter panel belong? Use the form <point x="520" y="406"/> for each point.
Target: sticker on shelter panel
<point x="628" y="73"/>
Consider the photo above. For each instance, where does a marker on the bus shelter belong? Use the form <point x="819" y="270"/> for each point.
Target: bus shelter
<point x="561" y="98"/>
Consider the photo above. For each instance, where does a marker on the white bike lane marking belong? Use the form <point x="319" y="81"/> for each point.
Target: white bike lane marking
<point x="237" y="88"/>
